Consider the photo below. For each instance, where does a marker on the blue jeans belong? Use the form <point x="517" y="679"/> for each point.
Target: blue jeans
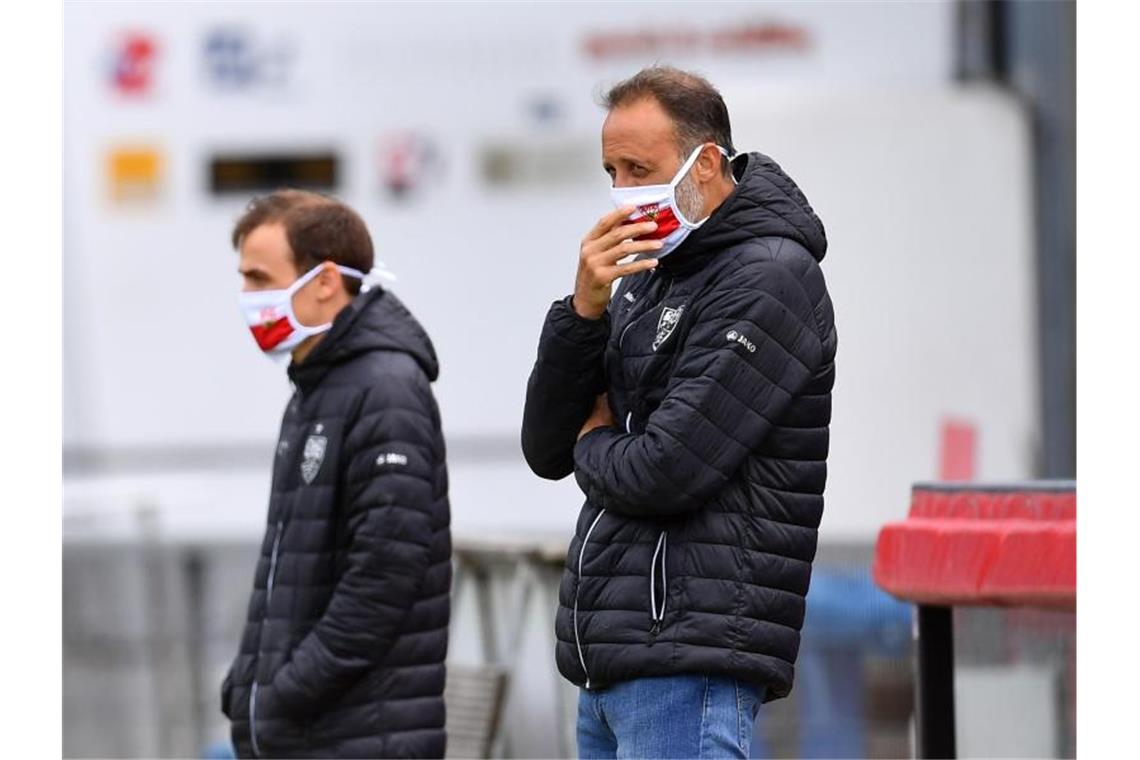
<point x="688" y="716"/>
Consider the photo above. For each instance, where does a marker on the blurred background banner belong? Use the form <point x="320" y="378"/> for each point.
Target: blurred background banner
<point x="934" y="139"/>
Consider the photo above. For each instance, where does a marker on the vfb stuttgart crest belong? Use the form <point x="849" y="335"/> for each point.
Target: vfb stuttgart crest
<point x="669" y="319"/>
<point x="651" y="211"/>
<point x="313" y="456"/>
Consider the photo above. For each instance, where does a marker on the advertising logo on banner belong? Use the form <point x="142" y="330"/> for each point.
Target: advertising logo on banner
<point x="236" y="60"/>
<point x="729" y="40"/>
<point x="134" y="174"/>
<point x="541" y="162"/>
<point x="245" y="173"/>
<point x="408" y="162"/>
<point x="133" y="62"/>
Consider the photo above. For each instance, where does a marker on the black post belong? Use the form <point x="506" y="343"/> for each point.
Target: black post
<point x="194" y="567"/>
<point x="1031" y="47"/>
<point x="1041" y="43"/>
<point x="935" y="682"/>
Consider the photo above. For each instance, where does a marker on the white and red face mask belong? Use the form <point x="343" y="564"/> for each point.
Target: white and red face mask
<point x="270" y="316"/>
<point x="658" y="203"/>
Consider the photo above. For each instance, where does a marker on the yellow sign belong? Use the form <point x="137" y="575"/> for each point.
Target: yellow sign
<point x="134" y="174"/>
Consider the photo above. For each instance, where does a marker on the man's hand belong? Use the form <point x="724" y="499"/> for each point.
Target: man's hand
<point x="604" y="246"/>
<point x="600" y="417"/>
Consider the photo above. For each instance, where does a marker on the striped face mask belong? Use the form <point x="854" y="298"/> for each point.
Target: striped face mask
<point x="270" y="316"/>
<point x="658" y="203"/>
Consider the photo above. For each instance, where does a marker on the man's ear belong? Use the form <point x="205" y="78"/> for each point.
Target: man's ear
<point x="708" y="163"/>
<point x="330" y="280"/>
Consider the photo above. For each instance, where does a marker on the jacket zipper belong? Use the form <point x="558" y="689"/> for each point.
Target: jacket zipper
<point x="631" y="297"/>
<point x="658" y="616"/>
<point x="268" y="598"/>
<point x="577" y="588"/>
<point x="252" y="719"/>
<point x="629" y="324"/>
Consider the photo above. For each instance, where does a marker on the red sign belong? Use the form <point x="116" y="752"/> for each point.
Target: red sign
<point x="408" y="161"/>
<point x="958" y="450"/>
<point x="133" y="64"/>
<point x="737" y="39"/>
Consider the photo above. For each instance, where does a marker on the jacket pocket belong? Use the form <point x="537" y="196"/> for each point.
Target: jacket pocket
<point x="577" y="591"/>
<point x="275" y="732"/>
<point x="658" y="584"/>
<point x="253" y="719"/>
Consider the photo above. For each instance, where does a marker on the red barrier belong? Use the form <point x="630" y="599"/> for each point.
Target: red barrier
<point x="970" y="544"/>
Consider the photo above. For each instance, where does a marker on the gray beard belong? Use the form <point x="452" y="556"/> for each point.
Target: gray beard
<point x="689" y="200"/>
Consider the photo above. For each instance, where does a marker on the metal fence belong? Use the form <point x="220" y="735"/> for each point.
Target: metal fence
<point x="150" y="627"/>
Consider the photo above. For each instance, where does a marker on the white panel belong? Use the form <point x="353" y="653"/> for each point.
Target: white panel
<point x="154" y="351"/>
<point x="924" y="191"/>
<point x="1005" y="711"/>
<point x="927" y="203"/>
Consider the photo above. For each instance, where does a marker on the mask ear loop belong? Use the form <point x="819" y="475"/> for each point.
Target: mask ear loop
<point x="685" y="167"/>
<point x="380" y="271"/>
<point x="692" y="159"/>
<point x="685" y="170"/>
<point x="303" y="280"/>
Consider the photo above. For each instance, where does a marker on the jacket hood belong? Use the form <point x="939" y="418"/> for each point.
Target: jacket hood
<point x="374" y="321"/>
<point x="765" y="203"/>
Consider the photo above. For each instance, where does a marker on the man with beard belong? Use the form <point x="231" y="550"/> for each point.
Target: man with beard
<point x="693" y="407"/>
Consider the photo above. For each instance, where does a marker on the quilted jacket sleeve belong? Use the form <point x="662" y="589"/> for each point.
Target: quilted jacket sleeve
<point x="388" y="486"/>
<point x="567" y="376"/>
<point x="746" y="356"/>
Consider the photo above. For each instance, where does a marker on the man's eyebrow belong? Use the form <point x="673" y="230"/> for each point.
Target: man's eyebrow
<point x="633" y="159"/>
<point x="622" y="158"/>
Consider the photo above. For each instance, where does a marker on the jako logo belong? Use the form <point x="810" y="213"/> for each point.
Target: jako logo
<point x="391" y="458"/>
<point x="735" y="337"/>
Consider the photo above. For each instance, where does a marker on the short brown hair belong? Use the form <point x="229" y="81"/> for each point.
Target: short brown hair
<point x="696" y="107"/>
<point x="318" y="228"/>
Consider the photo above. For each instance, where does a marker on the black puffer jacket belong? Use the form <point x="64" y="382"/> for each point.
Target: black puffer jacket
<point x="693" y="551"/>
<point x="343" y="650"/>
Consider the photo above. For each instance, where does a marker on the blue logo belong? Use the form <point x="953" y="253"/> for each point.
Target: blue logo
<point x="235" y="60"/>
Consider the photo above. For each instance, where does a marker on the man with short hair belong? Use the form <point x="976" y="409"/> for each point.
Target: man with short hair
<point x="344" y="643"/>
<point x="693" y="408"/>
